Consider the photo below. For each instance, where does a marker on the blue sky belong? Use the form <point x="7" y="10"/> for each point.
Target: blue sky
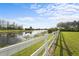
<point x="40" y="15"/>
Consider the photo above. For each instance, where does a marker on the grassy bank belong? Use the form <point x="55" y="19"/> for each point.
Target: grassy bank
<point x="28" y="51"/>
<point x="68" y="43"/>
<point x="4" y="31"/>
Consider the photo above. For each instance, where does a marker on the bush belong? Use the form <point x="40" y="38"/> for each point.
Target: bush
<point x="52" y="29"/>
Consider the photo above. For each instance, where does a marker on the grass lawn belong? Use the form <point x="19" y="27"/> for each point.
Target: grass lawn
<point x="28" y="51"/>
<point x="68" y="44"/>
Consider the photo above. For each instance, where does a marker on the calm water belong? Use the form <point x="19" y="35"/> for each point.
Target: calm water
<point x="13" y="38"/>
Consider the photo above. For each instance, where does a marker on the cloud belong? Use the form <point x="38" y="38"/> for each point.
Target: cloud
<point x="57" y="9"/>
<point x="68" y="18"/>
<point x="41" y="11"/>
<point x="35" y="6"/>
<point x="56" y="20"/>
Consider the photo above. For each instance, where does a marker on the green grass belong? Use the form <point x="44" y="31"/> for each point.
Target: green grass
<point x="4" y="31"/>
<point x="41" y="53"/>
<point x="2" y="45"/>
<point x="28" y="51"/>
<point x="68" y="43"/>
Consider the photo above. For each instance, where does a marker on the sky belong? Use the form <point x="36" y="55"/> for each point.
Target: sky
<point x="39" y="15"/>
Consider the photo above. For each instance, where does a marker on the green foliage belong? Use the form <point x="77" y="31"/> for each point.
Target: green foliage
<point x="6" y="25"/>
<point x="68" y="26"/>
<point x="52" y="29"/>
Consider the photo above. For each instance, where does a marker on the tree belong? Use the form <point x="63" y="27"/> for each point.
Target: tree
<point x="52" y="29"/>
<point x="30" y="28"/>
<point x="69" y="26"/>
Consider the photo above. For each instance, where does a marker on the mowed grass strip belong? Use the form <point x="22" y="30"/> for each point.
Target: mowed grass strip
<point x="68" y="43"/>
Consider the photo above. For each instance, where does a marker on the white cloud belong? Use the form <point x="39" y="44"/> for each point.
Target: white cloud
<point x="41" y="11"/>
<point x="58" y="10"/>
<point x="35" y="6"/>
<point x="65" y="18"/>
<point x="68" y="18"/>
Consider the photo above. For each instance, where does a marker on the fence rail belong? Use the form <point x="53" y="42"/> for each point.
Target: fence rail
<point x="52" y="45"/>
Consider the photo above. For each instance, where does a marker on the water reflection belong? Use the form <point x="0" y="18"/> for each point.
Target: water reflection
<point x="12" y="38"/>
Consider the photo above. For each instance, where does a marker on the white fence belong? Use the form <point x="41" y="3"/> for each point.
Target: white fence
<point x="46" y="46"/>
<point x="7" y="51"/>
<point x="51" y="47"/>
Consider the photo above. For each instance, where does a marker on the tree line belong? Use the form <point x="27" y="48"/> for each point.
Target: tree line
<point x="68" y="26"/>
<point x="9" y="26"/>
